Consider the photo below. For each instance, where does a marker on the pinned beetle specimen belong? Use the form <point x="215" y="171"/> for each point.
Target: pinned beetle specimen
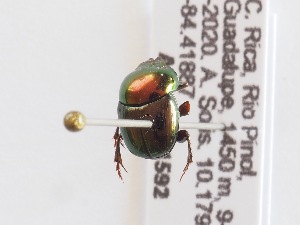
<point x="147" y="94"/>
<point x="148" y="115"/>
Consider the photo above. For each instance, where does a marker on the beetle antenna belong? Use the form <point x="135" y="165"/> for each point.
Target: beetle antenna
<point x="182" y="85"/>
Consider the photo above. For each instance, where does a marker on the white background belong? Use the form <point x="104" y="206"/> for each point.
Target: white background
<point x="285" y="182"/>
<point x="57" y="56"/>
<point x="61" y="55"/>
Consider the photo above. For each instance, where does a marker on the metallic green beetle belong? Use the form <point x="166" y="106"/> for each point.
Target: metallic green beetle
<point x="147" y="94"/>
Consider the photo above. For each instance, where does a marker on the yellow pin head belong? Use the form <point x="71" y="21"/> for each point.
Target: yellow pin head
<point x="74" y="121"/>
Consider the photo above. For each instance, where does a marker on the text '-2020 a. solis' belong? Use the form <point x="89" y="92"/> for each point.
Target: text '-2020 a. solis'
<point x="147" y="94"/>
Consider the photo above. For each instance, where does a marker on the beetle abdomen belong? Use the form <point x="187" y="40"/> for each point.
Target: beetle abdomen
<point x="157" y="141"/>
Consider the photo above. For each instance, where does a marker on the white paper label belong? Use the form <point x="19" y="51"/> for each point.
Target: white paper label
<point x="218" y="48"/>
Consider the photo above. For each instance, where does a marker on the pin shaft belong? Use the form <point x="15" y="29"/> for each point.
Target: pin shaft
<point x="147" y="123"/>
<point x="75" y="121"/>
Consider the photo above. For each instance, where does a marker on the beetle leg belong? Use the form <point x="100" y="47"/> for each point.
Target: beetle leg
<point x="118" y="159"/>
<point x="183" y="136"/>
<point x="184" y="108"/>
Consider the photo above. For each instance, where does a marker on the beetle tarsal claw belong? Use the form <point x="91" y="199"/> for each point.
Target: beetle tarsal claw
<point x="118" y="168"/>
<point x="189" y="158"/>
<point x="118" y="158"/>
